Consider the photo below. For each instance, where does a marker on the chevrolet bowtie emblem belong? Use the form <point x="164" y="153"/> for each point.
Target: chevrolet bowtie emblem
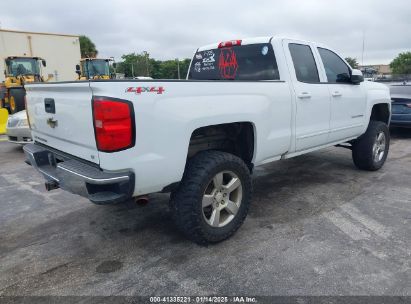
<point x="52" y="122"/>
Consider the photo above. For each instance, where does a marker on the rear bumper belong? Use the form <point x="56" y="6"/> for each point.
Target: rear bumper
<point x="79" y="177"/>
<point x="19" y="135"/>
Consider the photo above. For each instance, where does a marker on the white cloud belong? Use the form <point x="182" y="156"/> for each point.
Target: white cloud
<point x="171" y="29"/>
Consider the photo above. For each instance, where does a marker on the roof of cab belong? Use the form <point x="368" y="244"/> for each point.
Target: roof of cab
<point x="264" y="39"/>
<point x="244" y="41"/>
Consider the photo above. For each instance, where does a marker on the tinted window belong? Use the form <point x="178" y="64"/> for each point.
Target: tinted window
<point x="304" y="63"/>
<point x="244" y="62"/>
<point x="335" y="68"/>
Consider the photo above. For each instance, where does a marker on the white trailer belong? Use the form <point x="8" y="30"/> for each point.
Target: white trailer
<point x="61" y="51"/>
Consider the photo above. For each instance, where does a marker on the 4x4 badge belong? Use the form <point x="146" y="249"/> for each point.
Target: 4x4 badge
<point x="139" y="90"/>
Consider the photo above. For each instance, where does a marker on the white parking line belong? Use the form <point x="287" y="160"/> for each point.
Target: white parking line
<point x="347" y="226"/>
<point x="368" y="222"/>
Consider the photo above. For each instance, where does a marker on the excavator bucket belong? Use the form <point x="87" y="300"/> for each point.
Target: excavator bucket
<point x="4" y="115"/>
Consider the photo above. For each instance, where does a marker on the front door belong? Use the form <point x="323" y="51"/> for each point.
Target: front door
<point x="348" y="100"/>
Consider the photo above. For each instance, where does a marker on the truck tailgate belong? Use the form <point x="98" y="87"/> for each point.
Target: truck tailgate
<point x="61" y="117"/>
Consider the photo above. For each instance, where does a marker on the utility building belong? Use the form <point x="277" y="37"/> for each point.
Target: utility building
<point x="60" y="51"/>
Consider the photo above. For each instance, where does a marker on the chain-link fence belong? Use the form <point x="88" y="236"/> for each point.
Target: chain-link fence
<point x="401" y="78"/>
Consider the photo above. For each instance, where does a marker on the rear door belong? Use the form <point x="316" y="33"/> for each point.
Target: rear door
<point x="61" y="117"/>
<point x="312" y="122"/>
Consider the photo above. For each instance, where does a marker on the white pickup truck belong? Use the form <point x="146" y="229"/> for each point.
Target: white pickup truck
<point x="244" y="103"/>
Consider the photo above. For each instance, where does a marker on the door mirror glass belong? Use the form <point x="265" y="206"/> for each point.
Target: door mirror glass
<point x="356" y="76"/>
<point x="43" y="62"/>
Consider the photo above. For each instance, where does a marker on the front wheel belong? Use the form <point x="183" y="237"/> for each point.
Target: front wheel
<point x="370" y="150"/>
<point x="213" y="197"/>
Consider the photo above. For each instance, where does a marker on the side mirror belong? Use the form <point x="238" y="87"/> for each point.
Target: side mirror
<point x="114" y="65"/>
<point x="78" y="69"/>
<point x="356" y="76"/>
<point x="43" y="62"/>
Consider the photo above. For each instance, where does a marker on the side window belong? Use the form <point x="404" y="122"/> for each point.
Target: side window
<point x="335" y="68"/>
<point x="304" y="63"/>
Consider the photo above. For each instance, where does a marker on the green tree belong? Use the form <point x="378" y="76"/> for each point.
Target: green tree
<point x="401" y="64"/>
<point x="352" y="62"/>
<point x="134" y="65"/>
<point x="184" y="65"/>
<point x="87" y="47"/>
<point x="168" y="69"/>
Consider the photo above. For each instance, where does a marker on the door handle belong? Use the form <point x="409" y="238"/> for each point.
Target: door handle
<point x="336" y="94"/>
<point x="304" y="95"/>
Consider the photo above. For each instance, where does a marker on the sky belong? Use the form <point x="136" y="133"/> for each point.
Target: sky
<point x="175" y="28"/>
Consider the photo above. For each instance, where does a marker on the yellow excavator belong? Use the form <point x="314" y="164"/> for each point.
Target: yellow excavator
<point x="19" y="71"/>
<point x="95" y="68"/>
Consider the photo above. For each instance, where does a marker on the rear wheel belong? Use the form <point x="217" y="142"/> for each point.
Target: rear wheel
<point x="213" y="198"/>
<point x="16" y="100"/>
<point x="371" y="149"/>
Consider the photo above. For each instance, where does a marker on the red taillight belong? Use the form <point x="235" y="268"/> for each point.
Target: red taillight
<point x="229" y="43"/>
<point x="113" y="124"/>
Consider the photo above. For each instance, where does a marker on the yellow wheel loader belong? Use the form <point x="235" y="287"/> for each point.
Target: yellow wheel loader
<point x="19" y="71"/>
<point x="95" y="68"/>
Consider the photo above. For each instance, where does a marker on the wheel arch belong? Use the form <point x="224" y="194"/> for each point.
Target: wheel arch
<point x="381" y="112"/>
<point x="238" y="138"/>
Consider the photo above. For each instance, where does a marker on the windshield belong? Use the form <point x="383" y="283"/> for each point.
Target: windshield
<point x="97" y="67"/>
<point x="244" y="62"/>
<point x="22" y="66"/>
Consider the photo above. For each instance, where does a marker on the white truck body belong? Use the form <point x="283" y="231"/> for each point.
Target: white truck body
<point x="289" y="117"/>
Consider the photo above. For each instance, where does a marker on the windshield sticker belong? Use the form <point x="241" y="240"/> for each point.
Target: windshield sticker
<point x="208" y="68"/>
<point x="264" y="50"/>
<point x="208" y="61"/>
<point x="208" y="53"/>
<point x="197" y="67"/>
<point x="209" y="58"/>
<point x="228" y="64"/>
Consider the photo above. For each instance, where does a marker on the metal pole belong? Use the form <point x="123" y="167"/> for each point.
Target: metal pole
<point x="363" y="46"/>
<point x="132" y="70"/>
<point x="146" y="55"/>
<point x="178" y="68"/>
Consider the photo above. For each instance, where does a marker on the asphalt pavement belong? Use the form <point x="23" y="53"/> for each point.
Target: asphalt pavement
<point x="317" y="226"/>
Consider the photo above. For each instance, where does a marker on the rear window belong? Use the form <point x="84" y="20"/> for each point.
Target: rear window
<point x="243" y="62"/>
